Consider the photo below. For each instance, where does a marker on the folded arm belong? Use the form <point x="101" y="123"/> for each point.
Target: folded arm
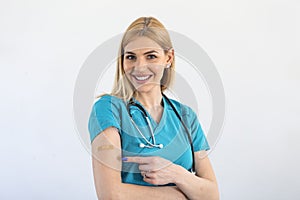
<point x="159" y="171"/>
<point x="107" y="165"/>
<point x="203" y="185"/>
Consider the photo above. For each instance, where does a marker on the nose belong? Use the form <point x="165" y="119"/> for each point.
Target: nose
<point x="140" y="63"/>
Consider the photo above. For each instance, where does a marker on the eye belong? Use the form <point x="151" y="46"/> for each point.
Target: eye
<point x="151" y="56"/>
<point x="130" y="57"/>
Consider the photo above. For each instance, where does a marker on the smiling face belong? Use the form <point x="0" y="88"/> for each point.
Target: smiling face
<point x="144" y="63"/>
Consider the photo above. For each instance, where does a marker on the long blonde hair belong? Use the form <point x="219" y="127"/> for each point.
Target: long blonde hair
<point x="155" y="30"/>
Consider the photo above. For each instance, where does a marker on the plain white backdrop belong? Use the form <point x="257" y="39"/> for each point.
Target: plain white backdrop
<point x="254" y="45"/>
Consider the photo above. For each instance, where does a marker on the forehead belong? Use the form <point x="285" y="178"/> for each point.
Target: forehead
<point x="141" y="44"/>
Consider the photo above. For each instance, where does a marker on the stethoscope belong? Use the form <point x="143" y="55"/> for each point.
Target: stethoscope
<point x="153" y="144"/>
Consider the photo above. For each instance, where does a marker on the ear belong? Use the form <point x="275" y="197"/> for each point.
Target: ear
<point x="170" y="56"/>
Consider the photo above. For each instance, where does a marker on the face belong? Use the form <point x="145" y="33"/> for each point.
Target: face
<point x="144" y="63"/>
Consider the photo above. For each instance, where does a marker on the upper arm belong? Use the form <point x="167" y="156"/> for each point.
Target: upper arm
<point x="107" y="162"/>
<point x="203" y="166"/>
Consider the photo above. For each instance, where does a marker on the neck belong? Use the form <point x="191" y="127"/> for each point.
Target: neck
<point x="151" y="99"/>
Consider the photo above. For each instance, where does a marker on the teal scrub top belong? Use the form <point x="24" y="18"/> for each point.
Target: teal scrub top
<point x="110" y="111"/>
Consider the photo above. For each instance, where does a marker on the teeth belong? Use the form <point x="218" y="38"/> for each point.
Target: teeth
<point x="142" y="78"/>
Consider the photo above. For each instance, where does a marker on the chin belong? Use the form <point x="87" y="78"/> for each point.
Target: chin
<point x="145" y="88"/>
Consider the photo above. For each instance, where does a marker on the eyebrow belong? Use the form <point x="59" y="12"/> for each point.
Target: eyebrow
<point x="152" y="51"/>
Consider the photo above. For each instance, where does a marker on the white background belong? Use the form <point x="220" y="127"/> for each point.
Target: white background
<point x="254" y="45"/>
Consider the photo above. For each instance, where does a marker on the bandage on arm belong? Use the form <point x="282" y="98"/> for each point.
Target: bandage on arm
<point x="107" y="165"/>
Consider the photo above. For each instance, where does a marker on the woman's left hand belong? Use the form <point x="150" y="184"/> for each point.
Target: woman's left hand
<point x="156" y="170"/>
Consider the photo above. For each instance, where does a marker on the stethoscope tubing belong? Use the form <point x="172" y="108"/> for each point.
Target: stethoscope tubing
<point x="151" y="130"/>
<point x="132" y="103"/>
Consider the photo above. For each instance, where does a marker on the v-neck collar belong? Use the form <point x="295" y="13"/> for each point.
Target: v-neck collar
<point x="156" y="126"/>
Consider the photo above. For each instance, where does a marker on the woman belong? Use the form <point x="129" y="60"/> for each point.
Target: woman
<point x="144" y="145"/>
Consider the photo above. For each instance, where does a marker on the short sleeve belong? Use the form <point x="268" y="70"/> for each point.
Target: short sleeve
<point x="199" y="139"/>
<point x="104" y="114"/>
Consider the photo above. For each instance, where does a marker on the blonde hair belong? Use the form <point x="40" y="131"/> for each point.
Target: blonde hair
<point x="154" y="30"/>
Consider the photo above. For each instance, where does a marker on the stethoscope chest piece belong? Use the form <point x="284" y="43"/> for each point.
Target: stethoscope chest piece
<point x="144" y="113"/>
<point x="153" y="144"/>
<point x="141" y="145"/>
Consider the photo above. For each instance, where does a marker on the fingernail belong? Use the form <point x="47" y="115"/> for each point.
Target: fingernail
<point x="124" y="159"/>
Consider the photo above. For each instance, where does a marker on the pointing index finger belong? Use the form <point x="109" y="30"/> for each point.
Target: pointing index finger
<point x="137" y="159"/>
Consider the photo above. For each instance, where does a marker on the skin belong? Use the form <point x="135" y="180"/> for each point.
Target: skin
<point x="106" y="147"/>
<point x="144" y="57"/>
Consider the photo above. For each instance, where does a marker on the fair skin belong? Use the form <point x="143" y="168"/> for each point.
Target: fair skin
<point x="144" y="63"/>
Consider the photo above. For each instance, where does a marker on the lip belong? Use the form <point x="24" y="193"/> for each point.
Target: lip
<point x="141" y="78"/>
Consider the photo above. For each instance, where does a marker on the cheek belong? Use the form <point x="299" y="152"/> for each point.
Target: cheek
<point x="159" y="69"/>
<point x="127" y="67"/>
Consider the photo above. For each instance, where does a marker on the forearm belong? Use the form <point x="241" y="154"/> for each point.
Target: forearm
<point x="131" y="191"/>
<point x="195" y="187"/>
